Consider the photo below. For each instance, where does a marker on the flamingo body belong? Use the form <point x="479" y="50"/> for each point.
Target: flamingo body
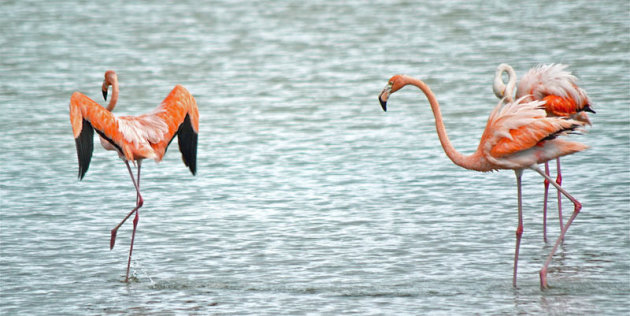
<point x="518" y="135"/>
<point x="135" y="138"/>
<point x="562" y="97"/>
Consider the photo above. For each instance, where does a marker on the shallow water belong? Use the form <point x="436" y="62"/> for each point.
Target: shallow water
<point x="308" y="198"/>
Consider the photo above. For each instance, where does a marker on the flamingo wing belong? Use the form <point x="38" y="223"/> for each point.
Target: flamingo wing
<point x="180" y="115"/>
<point x="520" y="134"/>
<point x="86" y="116"/>
<point x="85" y="145"/>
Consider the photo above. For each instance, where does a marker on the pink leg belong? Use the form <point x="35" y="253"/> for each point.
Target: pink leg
<point x="519" y="229"/>
<point x="576" y="210"/>
<point x="138" y="182"/>
<point x="559" y="182"/>
<point x="139" y="203"/>
<point x="546" y="182"/>
<point x="133" y="236"/>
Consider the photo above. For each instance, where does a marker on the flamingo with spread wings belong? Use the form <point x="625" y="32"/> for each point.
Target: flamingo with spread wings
<point x="135" y="138"/>
<point x="563" y="98"/>
<point x="518" y="135"/>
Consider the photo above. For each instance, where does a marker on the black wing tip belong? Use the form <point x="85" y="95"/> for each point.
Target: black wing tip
<point x="573" y="129"/>
<point x="82" y="173"/>
<point x="187" y="139"/>
<point x="85" y="145"/>
<point x="83" y="168"/>
<point x="192" y="160"/>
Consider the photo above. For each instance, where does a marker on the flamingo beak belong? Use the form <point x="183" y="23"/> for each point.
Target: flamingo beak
<point x="588" y="108"/>
<point x="104" y="89"/>
<point x="382" y="98"/>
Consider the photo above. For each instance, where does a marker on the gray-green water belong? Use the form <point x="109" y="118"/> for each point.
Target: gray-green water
<point x="308" y="199"/>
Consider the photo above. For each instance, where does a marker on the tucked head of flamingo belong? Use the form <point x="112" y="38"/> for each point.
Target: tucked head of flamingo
<point x="111" y="79"/>
<point x="500" y="89"/>
<point x="394" y="84"/>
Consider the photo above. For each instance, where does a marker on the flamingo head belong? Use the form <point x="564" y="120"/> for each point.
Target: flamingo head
<point x="394" y="84"/>
<point x="110" y="79"/>
<point x="500" y="89"/>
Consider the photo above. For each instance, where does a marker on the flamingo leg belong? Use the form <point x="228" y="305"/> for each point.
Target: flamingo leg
<point x="519" y="229"/>
<point x="576" y="210"/>
<point x="136" y="218"/>
<point x="546" y="183"/>
<point x="138" y="183"/>
<point x="559" y="182"/>
<point x="139" y="202"/>
<point x="133" y="236"/>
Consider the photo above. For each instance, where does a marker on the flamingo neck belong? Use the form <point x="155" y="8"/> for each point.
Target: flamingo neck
<point x="114" y="98"/>
<point x="469" y="162"/>
<point x="499" y="87"/>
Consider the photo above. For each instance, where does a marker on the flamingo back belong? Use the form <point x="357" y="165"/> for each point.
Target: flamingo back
<point x="555" y="85"/>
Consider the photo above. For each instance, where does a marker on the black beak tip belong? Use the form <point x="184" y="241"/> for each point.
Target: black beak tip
<point x="105" y="95"/>
<point x="589" y="109"/>
<point x="383" y="104"/>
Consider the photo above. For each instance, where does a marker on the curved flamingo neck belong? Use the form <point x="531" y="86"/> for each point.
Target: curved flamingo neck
<point x="111" y="79"/>
<point x="114" y="99"/>
<point x="499" y="87"/>
<point x="473" y="161"/>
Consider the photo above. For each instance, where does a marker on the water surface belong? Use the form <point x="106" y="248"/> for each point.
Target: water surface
<point x="308" y="198"/>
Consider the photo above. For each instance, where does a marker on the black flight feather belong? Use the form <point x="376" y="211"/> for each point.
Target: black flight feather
<point x="187" y="139"/>
<point x="569" y="130"/>
<point x="85" y="145"/>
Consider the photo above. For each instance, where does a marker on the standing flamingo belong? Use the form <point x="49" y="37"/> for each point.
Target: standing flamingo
<point x="135" y="138"/>
<point x="518" y="136"/>
<point x="553" y="84"/>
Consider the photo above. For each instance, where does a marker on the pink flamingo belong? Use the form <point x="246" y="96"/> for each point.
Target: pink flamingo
<point x="135" y="138"/>
<point x="518" y="135"/>
<point x="553" y="84"/>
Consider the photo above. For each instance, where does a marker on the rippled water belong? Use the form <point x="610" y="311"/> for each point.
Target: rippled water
<point x="308" y="198"/>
